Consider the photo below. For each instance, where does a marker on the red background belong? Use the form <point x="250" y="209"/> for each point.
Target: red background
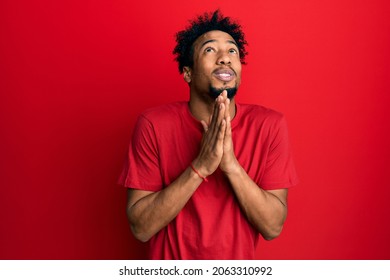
<point x="75" y="74"/>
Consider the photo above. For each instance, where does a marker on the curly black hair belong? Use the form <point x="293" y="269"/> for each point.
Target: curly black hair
<point x="203" y="24"/>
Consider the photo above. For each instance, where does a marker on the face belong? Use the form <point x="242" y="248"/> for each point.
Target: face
<point x="217" y="65"/>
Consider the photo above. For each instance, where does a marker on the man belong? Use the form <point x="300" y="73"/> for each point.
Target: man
<point x="207" y="176"/>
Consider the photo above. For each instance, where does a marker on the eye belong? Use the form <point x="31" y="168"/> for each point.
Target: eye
<point x="233" y="51"/>
<point x="208" y="50"/>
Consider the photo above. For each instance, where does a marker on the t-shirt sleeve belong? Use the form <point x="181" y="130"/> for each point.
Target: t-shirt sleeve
<point x="279" y="170"/>
<point x="141" y="169"/>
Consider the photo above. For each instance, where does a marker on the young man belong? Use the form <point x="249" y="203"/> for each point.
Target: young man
<point x="207" y="176"/>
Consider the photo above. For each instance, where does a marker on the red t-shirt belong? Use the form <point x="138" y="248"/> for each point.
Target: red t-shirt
<point x="211" y="225"/>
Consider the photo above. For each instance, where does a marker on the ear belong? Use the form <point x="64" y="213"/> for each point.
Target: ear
<point x="187" y="74"/>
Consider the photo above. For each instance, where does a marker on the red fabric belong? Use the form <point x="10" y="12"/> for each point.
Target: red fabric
<point x="211" y="225"/>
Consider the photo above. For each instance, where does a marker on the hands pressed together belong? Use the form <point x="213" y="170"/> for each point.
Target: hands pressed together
<point x="217" y="144"/>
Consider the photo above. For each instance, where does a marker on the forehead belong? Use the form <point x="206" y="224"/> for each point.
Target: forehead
<point x="214" y="35"/>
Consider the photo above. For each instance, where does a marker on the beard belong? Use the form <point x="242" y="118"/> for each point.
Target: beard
<point x="215" y="92"/>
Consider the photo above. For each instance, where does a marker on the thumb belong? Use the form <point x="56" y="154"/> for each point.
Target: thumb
<point x="205" y="126"/>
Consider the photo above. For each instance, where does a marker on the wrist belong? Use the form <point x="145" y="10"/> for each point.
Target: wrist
<point x="199" y="171"/>
<point x="234" y="169"/>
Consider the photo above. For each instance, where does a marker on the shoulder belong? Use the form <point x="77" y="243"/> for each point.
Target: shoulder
<point x="259" y="114"/>
<point x="164" y="113"/>
<point x="158" y="120"/>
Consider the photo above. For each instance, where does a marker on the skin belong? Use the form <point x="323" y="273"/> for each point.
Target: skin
<point x="149" y="212"/>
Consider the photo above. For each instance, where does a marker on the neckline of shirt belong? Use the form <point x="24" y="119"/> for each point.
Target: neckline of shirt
<point x="195" y="122"/>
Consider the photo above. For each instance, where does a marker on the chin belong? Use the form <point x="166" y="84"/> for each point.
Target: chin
<point x="215" y="92"/>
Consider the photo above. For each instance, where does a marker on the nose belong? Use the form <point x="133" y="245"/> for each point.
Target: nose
<point x="223" y="59"/>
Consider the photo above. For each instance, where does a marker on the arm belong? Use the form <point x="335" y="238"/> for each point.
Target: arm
<point x="149" y="212"/>
<point x="265" y="210"/>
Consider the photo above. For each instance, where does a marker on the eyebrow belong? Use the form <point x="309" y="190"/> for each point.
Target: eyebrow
<point x="213" y="40"/>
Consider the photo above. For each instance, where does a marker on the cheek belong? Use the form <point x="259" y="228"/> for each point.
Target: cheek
<point x="206" y="61"/>
<point x="205" y="67"/>
<point x="238" y="72"/>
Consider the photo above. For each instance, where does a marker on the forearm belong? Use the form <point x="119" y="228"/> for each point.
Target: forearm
<point x="151" y="213"/>
<point x="264" y="210"/>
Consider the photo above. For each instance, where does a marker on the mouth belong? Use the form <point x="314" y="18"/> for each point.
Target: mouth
<point x="224" y="74"/>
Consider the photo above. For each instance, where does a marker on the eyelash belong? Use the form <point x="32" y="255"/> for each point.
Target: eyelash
<point x="211" y="49"/>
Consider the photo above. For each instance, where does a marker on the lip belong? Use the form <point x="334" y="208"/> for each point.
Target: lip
<point x="224" y="74"/>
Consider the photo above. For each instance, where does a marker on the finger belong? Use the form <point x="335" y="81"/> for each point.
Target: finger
<point x="214" y="114"/>
<point x="227" y="106"/>
<point x="226" y="101"/>
<point x="220" y="135"/>
<point x="228" y="132"/>
<point x="221" y="113"/>
<point x="224" y="94"/>
<point x="218" y="120"/>
<point x="211" y="128"/>
<point x="221" y="97"/>
<point x="205" y="126"/>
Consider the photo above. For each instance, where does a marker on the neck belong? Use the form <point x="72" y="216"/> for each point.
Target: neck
<point x="202" y="108"/>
